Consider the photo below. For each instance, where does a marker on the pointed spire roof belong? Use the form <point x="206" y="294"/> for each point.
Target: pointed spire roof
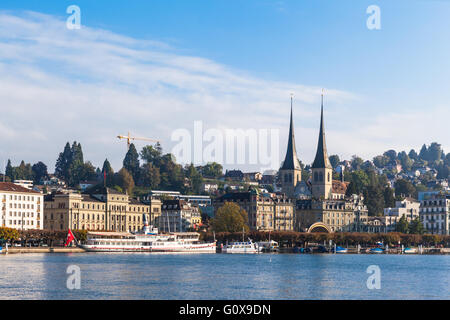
<point x="291" y="161"/>
<point x="321" y="160"/>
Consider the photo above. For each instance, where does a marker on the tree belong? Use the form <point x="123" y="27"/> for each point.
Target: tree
<point x="380" y="161"/>
<point x="405" y="161"/>
<point x="334" y="160"/>
<point x="9" y="171"/>
<point x="413" y="155"/>
<point x="212" y="170"/>
<point x="150" y="176"/>
<point x="39" y="171"/>
<point x="402" y="225"/>
<point x="151" y="155"/>
<point x="389" y="200"/>
<point x="416" y="226"/>
<point x="62" y="168"/>
<point x="125" y="181"/>
<point x="131" y="162"/>
<point x="108" y="171"/>
<point x="391" y="155"/>
<point x="230" y="218"/>
<point x="374" y="200"/>
<point x="195" y="178"/>
<point x="423" y="154"/>
<point x="356" y="162"/>
<point x="405" y="188"/>
<point x="434" y="152"/>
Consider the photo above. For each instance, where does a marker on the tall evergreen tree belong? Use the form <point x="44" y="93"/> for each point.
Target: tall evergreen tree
<point x="131" y="162"/>
<point x="9" y="171"/>
<point x="109" y="172"/>
<point x="62" y="168"/>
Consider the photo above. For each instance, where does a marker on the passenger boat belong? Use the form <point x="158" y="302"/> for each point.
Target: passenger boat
<point x="240" y="247"/>
<point x="149" y="240"/>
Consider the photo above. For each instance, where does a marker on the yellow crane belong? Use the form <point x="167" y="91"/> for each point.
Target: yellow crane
<point x="129" y="138"/>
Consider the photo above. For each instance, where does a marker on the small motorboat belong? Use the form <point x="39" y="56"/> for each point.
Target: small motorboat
<point x="409" y="250"/>
<point x="341" y="250"/>
<point x="376" y="250"/>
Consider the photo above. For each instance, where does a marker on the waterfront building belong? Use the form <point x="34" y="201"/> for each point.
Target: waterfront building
<point x="102" y="209"/>
<point x="266" y="211"/>
<point x="21" y="208"/>
<point x="178" y="215"/>
<point x="435" y="213"/>
<point x="408" y="208"/>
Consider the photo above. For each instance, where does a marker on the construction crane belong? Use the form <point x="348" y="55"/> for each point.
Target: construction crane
<point x="129" y="138"/>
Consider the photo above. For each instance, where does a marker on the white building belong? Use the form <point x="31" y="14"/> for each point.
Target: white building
<point x="21" y="208"/>
<point x="434" y="213"/>
<point x="24" y="183"/>
<point x="408" y="208"/>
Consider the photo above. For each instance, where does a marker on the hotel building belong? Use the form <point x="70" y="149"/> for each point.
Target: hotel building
<point x="21" y="208"/>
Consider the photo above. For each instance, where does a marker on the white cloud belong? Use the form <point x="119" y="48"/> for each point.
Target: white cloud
<point x="90" y="85"/>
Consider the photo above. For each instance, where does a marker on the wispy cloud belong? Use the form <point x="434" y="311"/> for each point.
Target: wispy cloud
<point x="89" y="85"/>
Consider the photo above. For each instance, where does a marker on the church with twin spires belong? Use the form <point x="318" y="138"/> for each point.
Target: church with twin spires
<point x="321" y="203"/>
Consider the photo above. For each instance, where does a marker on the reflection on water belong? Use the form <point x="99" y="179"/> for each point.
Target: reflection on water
<point x="220" y="276"/>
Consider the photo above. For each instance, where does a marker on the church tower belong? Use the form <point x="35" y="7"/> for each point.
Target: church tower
<point x="322" y="172"/>
<point x="290" y="172"/>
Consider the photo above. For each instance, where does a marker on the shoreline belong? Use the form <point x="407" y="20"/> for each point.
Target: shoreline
<point x="426" y="251"/>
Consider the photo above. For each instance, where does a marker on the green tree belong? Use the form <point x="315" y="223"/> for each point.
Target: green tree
<point x="380" y="161"/>
<point x="124" y="180"/>
<point x="404" y="188"/>
<point x="63" y="163"/>
<point x="374" y="200"/>
<point x="108" y="171"/>
<point x="212" y="170"/>
<point x="151" y="155"/>
<point x="405" y="161"/>
<point x="334" y="160"/>
<point x="389" y="200"/>
<point x="413" y="155"/>
<point x="9" y="171"/>
<point x="195" y="178"/>
<point x="391" y="155"/>
<point x="150" y="176"/>
<point x="39" y="171"/>
<point x="131" y="162"/>
<point x="230" y="218"/>
<point x="402" y="225"/>
<point x="416" y="226"/>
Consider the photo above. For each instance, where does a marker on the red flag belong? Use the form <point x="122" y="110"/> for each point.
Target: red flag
<point x="70" y="238"/>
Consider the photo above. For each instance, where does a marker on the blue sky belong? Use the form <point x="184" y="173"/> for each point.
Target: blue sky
<point x="391" y="86"/>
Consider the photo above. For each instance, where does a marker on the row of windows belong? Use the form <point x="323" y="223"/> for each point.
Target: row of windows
<point x="19" y="197"/>
<point x="19" y="206"/>
<point x="22" y="214"/>
<point x="19" y="222"/>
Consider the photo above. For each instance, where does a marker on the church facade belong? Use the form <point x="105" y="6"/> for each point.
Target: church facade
<point x="321" y="202"/>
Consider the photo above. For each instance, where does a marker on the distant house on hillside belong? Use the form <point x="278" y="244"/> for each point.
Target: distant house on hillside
<point x="235" y="175"/>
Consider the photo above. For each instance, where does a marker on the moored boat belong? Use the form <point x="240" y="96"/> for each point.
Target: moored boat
<point x="240" y="247"/>
<point x="149" y="240"/>
<point x="341" y="250"/>
<point x="409" y="250"/>
<point x="376" y="250"/>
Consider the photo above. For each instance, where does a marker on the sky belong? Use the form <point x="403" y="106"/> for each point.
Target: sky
<point x="154" y="67"/>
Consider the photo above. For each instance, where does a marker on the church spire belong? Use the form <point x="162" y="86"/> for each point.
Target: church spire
<point x="291" y="161"/>
<point x="321" y="160"/>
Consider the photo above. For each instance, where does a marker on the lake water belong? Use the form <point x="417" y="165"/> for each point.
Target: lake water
<point x="222" y="276"/>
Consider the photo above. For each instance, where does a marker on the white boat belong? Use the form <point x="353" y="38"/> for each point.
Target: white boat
<point x="267" y="246"/>
<point x="410" y="250"/>
<point x="149" y="240"/>
<point x="240" y="247"/>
